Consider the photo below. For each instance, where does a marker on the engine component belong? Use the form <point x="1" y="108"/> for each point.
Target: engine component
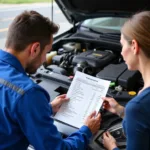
<point x="72" y="46"/>
<point x="112" y="72"/>
<point x="96" y="59"/>
<point x="119" y="74"/>
<point x="62" y="63"/>
<point x="57" y="69"/>
<point x="67" y="59"/>
<point x="118" y="88"/>
<point x="129" y="79"/>
<point x="49" y="57"/>
<point x="84" y="67"/>
<point x="60" y="51"/>
<point x="52" y="76"/>
<point x="57" y="60"/>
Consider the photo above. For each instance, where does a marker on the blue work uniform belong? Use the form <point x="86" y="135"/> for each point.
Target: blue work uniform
<point x="25" y="113"/>
<point x="136" y="122"/>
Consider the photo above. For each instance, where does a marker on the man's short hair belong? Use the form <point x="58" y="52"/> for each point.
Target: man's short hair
<point x="30" y="27"/>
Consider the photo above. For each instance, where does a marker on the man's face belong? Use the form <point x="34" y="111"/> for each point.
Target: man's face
<point x="39" y="60"/>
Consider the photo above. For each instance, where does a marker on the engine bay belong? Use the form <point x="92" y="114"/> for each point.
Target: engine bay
<point x="97" y="59"/>
<point x="99" y="62"/>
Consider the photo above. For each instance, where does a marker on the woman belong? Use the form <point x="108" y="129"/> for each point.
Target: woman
<point x="135" y="41"/>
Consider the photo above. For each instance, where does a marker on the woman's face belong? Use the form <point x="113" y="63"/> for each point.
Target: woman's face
<point x="128" y="54"/>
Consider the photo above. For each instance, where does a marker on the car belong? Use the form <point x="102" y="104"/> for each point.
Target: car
<point x="92" y="46"/>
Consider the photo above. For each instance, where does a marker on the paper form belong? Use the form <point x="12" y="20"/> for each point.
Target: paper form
<point x="85" y="95"/>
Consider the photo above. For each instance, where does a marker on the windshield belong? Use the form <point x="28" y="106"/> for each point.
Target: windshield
<point x="105" y="24"/>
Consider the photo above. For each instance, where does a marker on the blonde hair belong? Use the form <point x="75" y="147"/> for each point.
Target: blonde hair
<point x="138" y="28"/>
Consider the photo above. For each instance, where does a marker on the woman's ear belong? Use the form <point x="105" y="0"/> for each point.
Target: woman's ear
<point x="35" y="49"/>
<point x="135" y="47"/>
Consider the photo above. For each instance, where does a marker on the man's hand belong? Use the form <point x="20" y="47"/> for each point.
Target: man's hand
<point x="93" y="122"/>
<point x="109" y="141"/>
<point x="57" y="102"/>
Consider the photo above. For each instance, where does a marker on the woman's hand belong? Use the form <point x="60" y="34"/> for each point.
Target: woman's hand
<point x="113" y="106"/>
<point x="108" y="141"/>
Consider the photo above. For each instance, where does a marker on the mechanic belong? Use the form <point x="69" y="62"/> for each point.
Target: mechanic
<point x="25" y="111"/>
<point x="135" y="41"/>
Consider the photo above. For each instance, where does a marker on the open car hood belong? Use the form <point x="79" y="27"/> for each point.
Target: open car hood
<point x="79" y="10"/>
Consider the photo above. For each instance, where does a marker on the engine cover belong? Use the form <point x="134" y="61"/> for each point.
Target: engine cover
<point x="96" y="59"/>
